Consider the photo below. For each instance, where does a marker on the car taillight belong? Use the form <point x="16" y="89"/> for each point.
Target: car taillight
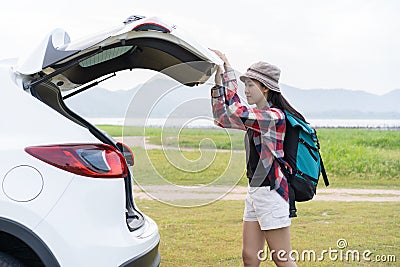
<point x="127" y="152"/>
<point x="153" y="24"/>
<point x="93" y="160"/>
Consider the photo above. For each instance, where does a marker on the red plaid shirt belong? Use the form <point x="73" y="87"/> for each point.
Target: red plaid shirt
<point x="268" y="123"/>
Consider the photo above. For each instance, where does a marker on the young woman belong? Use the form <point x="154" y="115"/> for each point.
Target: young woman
<point x="266" y="213"/>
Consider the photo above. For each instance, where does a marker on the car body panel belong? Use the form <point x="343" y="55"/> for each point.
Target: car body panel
<point x="100" y="239"/>
<point x="20" y="129"/>
<point x="65" y="195"/>
<point x="28" y="115"/>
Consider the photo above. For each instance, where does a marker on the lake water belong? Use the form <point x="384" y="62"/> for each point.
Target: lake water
<point x="207" y="123"/>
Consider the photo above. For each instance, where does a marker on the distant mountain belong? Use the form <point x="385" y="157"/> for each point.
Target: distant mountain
<point x="161" y="99"/>
<point x="342" y="103"/>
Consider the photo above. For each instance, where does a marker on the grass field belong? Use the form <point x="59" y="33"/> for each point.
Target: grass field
<point x="354" y="158"/>
<point x="211" y="235"/>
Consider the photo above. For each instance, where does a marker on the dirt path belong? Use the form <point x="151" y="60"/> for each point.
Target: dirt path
<point x="175" y="193"/>
<point x="369" y="195"/>
<point x="137" y="141"/>
<point x="170" y="192"/>
<point x="140" y="141"/>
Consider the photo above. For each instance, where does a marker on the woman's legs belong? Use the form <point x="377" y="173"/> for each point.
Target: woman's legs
<point x="253" y="242"/>
<point x="279" y="245"/>
<point x="266" y="209"/>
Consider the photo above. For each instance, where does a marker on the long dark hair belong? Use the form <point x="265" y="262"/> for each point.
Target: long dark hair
<point x="277" y="100"/>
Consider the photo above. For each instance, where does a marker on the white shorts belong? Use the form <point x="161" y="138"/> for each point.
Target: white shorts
<point x="266" y="207"/>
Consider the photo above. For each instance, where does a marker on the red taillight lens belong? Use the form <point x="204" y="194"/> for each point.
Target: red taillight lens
<point x="127" y="152"/>
<point x="93" y="160"/>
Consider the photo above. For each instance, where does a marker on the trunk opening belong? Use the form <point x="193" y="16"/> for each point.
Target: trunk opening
<point x="50" y="95"/>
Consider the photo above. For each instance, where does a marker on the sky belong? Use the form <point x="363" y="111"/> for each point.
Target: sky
<point x="349" y="44"/>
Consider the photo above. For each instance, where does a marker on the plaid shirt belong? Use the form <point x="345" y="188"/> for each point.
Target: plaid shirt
<point x="269" y="127"/>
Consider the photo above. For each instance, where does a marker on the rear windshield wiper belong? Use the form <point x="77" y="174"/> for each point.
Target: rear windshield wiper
<point x="88" y="86"/>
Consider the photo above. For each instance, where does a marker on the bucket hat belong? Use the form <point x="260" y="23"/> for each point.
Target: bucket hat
<point x="265" y="73"/>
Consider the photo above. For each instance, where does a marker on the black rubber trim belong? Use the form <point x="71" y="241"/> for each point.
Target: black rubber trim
<point x="31" y="239"/>
<point x="151" y="258"/>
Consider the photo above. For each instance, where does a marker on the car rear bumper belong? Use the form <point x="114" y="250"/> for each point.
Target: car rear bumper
<point x="151" y="258"/>
<point x="89" y="223"/>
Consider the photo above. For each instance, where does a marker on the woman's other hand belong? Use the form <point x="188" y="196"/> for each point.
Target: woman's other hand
<point x="222" y="56"/>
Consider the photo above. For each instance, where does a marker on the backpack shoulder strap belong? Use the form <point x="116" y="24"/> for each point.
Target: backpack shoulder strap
<point x="326" y="181"/>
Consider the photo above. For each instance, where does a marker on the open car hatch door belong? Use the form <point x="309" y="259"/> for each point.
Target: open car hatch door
<point x="58" y="65"/>
<point x="139" y="42"/>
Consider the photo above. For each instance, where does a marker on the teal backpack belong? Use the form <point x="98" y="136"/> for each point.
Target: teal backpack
<point x="301" y="147"/>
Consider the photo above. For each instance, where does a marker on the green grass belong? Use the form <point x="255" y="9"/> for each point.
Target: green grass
<point x="211" y="235"/>
<point x="115" y="130"/>
<point x="155" y="167"/>
<point x="187" y="137"/>
<point x="206" y="138"/>
<point x="361" y="158"/>
<point x="354" y="158"/>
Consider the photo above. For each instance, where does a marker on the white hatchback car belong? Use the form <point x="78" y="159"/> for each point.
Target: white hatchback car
<point x="66" y="196"/>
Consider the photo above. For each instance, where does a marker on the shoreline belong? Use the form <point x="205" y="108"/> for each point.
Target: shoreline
<point x="372" y="124"/>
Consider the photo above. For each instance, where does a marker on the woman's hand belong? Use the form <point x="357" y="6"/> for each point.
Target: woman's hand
<point x="227" y="66"/>
<point x="222" y="56"/>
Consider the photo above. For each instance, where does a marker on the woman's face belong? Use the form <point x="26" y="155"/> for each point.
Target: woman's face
<point x="255" y="93"/>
